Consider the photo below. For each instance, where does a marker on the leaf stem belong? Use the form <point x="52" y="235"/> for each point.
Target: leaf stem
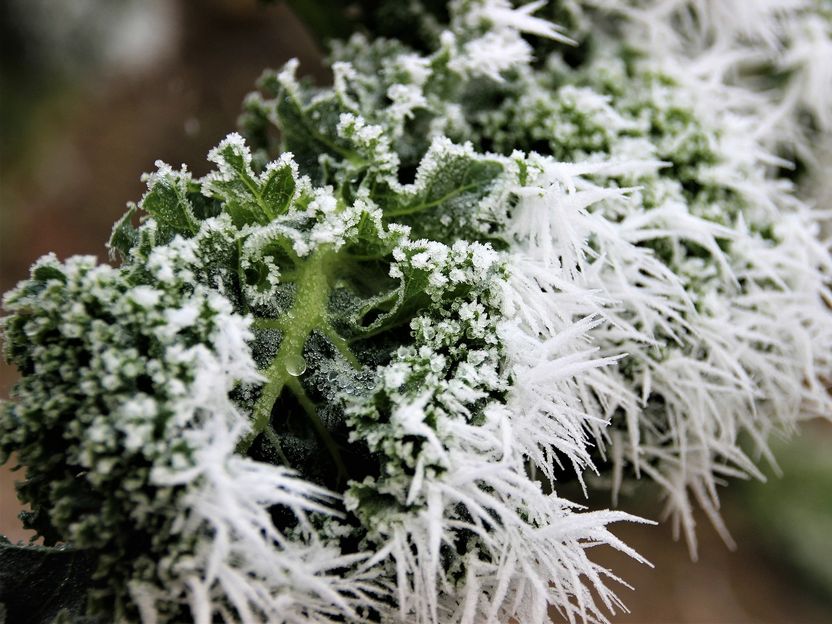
<point x="308" y="313"/>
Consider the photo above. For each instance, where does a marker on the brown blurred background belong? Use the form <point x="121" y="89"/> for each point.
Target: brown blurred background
<point x="92" y="92"/>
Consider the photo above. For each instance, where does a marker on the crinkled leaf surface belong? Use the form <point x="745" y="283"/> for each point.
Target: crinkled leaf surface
<point x="38" y="583"/>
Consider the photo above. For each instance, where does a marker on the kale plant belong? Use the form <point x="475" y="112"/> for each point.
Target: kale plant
<point x="341" y="376"/>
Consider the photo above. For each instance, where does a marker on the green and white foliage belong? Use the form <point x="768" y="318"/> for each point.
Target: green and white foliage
<point x="124" y="424"/>
<point x="339" y="377"/>
<point x="671" y="210"/>
<point x="759" y="64"/>
<point x="767" y="57"/>
<point x="370" y="359"/>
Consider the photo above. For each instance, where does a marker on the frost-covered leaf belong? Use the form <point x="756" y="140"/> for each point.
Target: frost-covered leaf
<point x="124" y="236"/>
<point x="343" y="383"/>
<point x="449" y="198"/>
<point x="245" y="197"/>
<point x="278" y="188"/>
<point x="168" y="203"/>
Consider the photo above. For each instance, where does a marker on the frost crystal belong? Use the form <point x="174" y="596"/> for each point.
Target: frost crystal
<point x="342" y="378"/>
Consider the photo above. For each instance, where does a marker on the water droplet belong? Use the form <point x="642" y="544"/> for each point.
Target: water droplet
<point x="295" y="365"/>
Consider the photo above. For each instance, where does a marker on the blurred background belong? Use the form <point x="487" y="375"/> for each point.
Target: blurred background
<point x="92" y="92"/>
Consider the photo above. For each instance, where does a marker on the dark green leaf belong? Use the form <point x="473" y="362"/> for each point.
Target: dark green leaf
<point x="236" y="185"/>
<point x="124" y="236"/>
<point x="279" y="189"/>
<point x="45" y="272"/>
<point x="37" y="583"/>
<point x="167" y="203"/>
<point x="451" y="182"/>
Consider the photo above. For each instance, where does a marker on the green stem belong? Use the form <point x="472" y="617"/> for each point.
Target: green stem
<point x="309" y="407"/>
<point x="275" y="442"/>
<point x="342" y="346"/>
<point x="268" y="323"/>
<point x="308" y="312"/>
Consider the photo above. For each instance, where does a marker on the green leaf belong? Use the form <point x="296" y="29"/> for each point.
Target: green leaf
<point x="303" y="136"/>
<point x="445" y="201"/>
<point x="236" y="185"/>
<point x="38" y="583"/>
<point x="46" y="272"/>
<point x="381" y="310"/>
<point x="307" y="121"/>
<point x="167" y="202"/>
<point x="124" y="236"/>
<point x="279" y="188"/>
<point x="233" y="155"/>
<point x="392" y="309"/>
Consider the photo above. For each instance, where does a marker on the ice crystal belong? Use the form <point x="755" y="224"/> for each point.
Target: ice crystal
<point x="342" y="376"/>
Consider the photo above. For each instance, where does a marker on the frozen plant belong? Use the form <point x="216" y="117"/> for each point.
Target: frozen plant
<point x="688" y="229"/>
<point x="342" y="376"/>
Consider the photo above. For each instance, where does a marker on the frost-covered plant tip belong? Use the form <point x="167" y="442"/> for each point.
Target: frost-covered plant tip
<point x="340" y="377"/>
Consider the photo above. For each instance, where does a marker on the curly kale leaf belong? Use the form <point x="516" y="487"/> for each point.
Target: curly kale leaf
<point x="325" y="272"/>
<point x="111" y="370"/>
